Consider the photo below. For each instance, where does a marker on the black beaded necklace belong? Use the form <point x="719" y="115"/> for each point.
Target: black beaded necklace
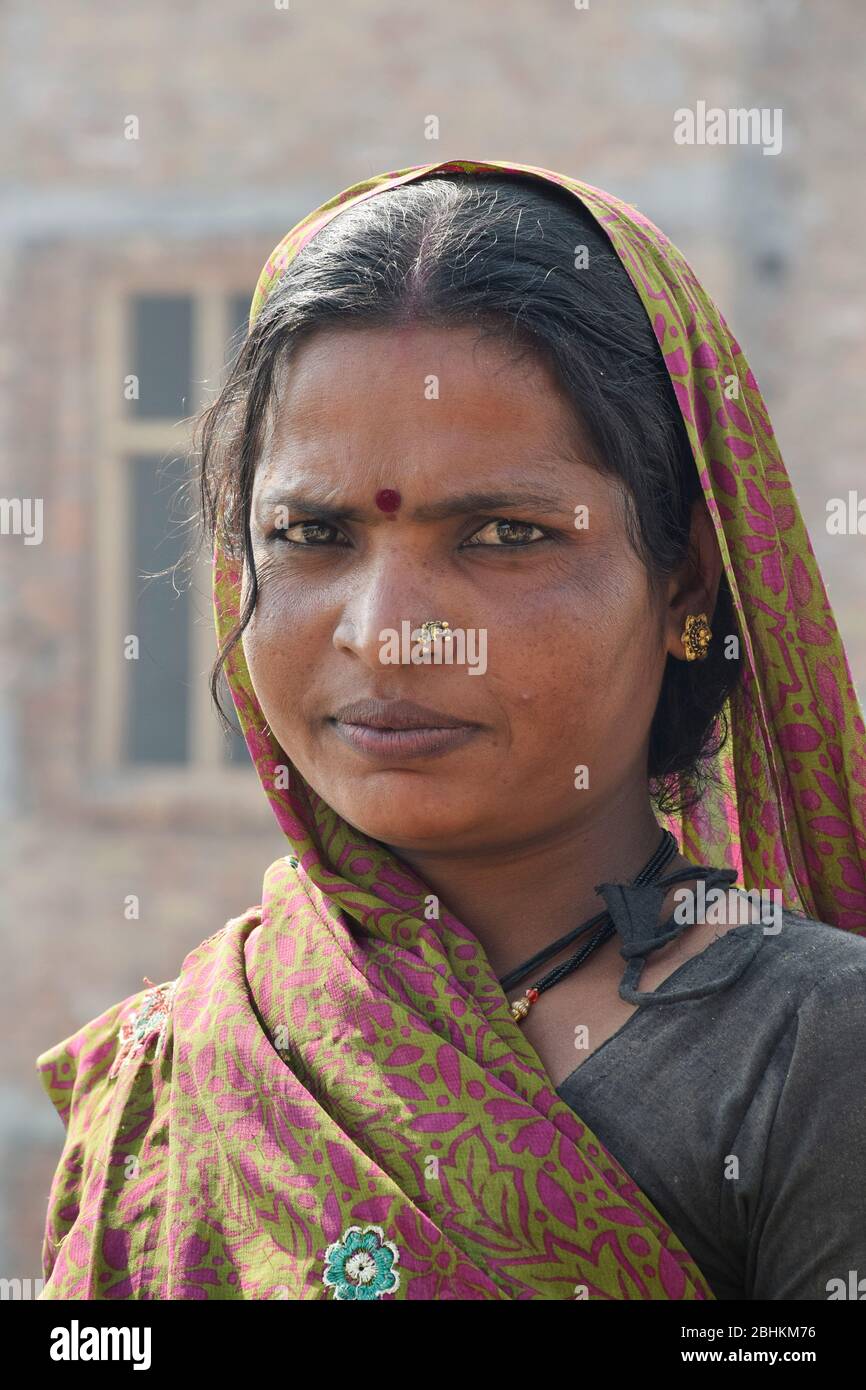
<point x="666" y="850"/>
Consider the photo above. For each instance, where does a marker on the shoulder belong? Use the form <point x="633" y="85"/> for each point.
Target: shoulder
<point x="72" y="1071"/>
<point x="826" y="967"/>
<point x="802" y="1141"/>
<point x="799" y="1010"/>
<point x="797" y="949"/>
<point x="804" y="974"/>
<point x="762" y="956"/>
<point x="807" y="955"/>
<point x="805" y="995"/>
<point x="765" y="974"/>
<point x="829" y="966"/>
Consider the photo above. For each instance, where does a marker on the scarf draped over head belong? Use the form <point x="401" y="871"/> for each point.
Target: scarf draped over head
<point x="789" y="809"/>
<point x="346" y="1107"/>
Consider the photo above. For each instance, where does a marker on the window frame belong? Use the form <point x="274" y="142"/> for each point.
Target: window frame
<point x="112" y="777"/>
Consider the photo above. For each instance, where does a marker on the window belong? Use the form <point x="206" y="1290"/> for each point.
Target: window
<point x="161" y="332"/>
<point x="162" y="352"/>
<point x="158" y="705"/>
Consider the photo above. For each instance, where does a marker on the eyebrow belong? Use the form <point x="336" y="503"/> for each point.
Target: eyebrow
<point x="461" y="504"/>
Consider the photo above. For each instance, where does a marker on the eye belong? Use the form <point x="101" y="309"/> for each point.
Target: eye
<point x="504" y="531"/>
<point x="308" y="530"/>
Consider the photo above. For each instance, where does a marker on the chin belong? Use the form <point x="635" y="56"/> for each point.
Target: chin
<point x="405" y="820"/>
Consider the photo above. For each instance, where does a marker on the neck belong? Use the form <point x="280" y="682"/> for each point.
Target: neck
<point x="516" y="898"/>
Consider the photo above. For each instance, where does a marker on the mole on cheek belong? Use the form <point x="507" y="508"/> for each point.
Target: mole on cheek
<point x="388" y="499"/>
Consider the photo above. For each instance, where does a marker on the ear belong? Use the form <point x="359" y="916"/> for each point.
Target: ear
<point x="694" y="587"/>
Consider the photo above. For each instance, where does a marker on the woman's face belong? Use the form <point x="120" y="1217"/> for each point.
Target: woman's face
<point x="573" y="644"/>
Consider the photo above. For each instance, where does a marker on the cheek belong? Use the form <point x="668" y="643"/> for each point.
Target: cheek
<point x="279" y="654"/>
<point x="289" y="614"/>
<point x="583" y="659"/>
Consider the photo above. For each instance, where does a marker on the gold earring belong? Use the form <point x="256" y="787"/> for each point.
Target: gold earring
<point x="696" y="636"/>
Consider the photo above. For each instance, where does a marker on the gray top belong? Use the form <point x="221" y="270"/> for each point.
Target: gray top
<point x="767" y="1075"/>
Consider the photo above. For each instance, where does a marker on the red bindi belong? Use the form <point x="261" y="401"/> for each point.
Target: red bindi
<point x="388" y="499"/>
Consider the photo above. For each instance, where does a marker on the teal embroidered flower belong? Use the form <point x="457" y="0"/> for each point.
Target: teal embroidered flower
<point x="360" y="1265"/>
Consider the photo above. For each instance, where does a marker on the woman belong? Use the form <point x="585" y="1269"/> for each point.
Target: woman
<point x="507" y="570"/>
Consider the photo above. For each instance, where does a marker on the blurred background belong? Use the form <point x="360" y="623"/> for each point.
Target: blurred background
<point x="137" y="256"/>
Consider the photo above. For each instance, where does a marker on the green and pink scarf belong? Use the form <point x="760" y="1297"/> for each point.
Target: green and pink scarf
<point x="332" y="1100"/>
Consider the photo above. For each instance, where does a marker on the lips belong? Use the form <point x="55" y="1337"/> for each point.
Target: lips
<point x="397" y="714"/>
<point x="399" y="729"/>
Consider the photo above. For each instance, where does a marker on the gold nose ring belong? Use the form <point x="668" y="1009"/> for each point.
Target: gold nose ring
<point x="435" y="627"/>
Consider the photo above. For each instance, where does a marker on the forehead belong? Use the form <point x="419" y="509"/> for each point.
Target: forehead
<point x="350" y="393"/>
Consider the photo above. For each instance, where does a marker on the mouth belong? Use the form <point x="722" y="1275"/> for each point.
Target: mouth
<point x="400" y="729"/>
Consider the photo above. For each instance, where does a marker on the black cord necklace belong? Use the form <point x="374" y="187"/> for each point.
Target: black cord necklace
<point x="666" y="850"/>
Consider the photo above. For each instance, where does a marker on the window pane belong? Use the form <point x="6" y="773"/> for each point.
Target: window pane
<point x="234" y="749"/>
<point x="162" y="356"/>
<point x="158" y="682"/>
<point x="239" y="310"/>
<point x="239" y="317"/>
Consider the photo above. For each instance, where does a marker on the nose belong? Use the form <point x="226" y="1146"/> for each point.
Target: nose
<point x="392" y="596"/>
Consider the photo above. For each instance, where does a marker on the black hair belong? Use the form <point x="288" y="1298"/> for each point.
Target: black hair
<point x="497" y="252"/>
